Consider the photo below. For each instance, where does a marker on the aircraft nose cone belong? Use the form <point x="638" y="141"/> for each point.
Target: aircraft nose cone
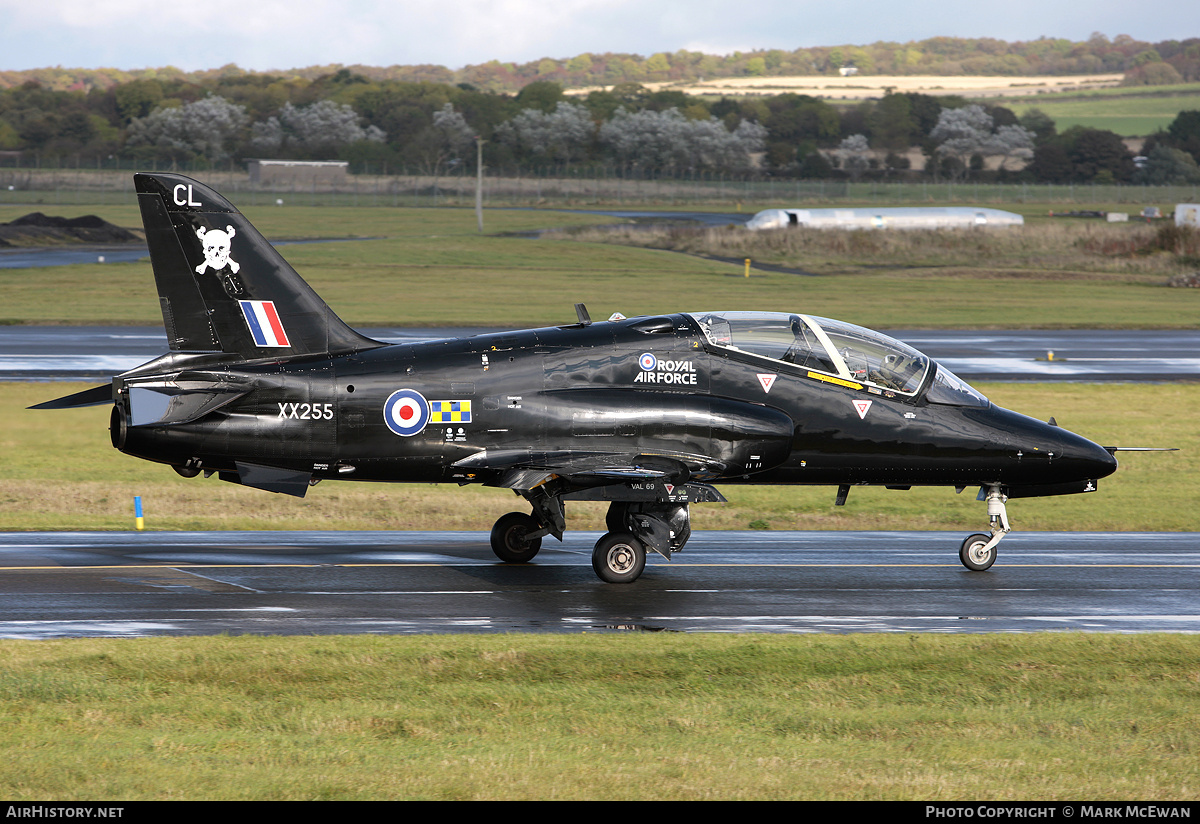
<point x="1084" y="459"/>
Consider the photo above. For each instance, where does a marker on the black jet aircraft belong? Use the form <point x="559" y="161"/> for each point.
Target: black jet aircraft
<point x="266" y="387"/>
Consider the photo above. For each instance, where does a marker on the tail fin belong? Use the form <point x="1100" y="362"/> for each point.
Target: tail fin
<point x="222" y="286"/>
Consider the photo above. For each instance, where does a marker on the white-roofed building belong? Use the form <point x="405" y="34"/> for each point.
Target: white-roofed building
<point x="886" y="217"/>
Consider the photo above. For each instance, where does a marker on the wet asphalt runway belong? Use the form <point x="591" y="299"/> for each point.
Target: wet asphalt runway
<point x="140" y="584"/>
<point x="98" y="352"/>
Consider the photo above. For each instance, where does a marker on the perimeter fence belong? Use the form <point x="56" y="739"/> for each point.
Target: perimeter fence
<point x="39" y="187"/>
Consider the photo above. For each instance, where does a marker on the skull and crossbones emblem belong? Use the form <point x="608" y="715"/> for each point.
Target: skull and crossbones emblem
<point x="216" y="245"/>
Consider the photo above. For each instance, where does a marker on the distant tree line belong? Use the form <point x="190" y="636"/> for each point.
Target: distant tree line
<point x="1169" y="61"/>
<point x="628" y="129"/>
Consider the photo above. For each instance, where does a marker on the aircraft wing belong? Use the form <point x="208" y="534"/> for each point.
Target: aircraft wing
<point x="522" y="469"/>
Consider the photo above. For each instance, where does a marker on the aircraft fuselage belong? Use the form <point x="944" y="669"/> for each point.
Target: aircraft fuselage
<point x="578" y="388"/>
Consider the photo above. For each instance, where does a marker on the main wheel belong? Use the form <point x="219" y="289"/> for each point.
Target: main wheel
<point x="974" y="556"/>
<point x="619" y="558"/>
<point x="509" y="540"/>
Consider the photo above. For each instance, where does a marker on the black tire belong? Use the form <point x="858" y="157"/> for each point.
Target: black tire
<point x="509" y="541"/>
<point x="619" y="558"/>
<point x="971" y="553"/>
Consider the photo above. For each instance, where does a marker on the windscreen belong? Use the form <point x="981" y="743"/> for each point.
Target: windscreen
<point x="951" y="390"/>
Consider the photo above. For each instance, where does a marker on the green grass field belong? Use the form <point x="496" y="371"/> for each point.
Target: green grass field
<point x="431" y="267"/>
<point x="1132" y="111"/>
<point x="604" y="717"/>
<point x="1050" y="273"/>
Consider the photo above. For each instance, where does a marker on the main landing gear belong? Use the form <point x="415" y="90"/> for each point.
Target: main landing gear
<point x="978" y="552"/>
<point x="619" y="557"/>
<point x="633" y="527"/>
<point x="517" y="537"/>
<point x="513" y="538"/>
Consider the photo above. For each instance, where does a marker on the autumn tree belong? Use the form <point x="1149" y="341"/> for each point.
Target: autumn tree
<point x="963" y="133"/>
<point x="320" y="128"/>
<point x="206" y="128"/>
<point x="854" y="154"/>
<point x="562" y="135"/>
<point x="668" y="141"/>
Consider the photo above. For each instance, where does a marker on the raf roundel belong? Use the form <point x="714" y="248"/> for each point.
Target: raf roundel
<point x="406" y="412"/>
<point x="648" y="362"/>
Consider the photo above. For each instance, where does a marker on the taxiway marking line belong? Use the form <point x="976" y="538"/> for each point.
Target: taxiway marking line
<point x="664" y="564"/>
<point x="999" y="566"/>
<point x="207" y="566"/>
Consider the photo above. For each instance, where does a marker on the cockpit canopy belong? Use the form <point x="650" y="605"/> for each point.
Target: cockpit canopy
<point x="836" y="348"/>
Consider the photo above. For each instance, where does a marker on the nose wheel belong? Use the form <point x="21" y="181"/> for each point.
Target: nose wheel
<point x="977" y="552"/>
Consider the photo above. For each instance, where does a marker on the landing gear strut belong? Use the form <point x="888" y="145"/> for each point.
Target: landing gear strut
<point x="978" y="552"/>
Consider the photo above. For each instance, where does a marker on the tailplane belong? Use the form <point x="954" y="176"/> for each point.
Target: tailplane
<point x="222" y="287"/>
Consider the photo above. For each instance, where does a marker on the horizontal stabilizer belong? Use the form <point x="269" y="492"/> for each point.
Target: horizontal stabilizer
<point x="96" y="396"/>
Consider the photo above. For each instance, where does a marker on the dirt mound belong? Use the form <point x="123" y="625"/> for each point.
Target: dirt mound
<point x="37" y="229"/>
<point x="1191" y="281"/>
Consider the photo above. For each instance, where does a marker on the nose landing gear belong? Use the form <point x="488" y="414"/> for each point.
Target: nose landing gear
<point x="978" y="552"/>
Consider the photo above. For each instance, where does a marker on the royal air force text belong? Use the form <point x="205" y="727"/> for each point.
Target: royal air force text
<point x="666" y="371"/>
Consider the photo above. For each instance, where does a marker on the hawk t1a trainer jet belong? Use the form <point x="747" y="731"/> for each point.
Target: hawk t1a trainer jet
<point x="266" y="387"/>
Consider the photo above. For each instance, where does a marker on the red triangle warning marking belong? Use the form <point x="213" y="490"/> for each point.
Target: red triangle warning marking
<point x="767" y="382"/>
<point x="862" y="407"/>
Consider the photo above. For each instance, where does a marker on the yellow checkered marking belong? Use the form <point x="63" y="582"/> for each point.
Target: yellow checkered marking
<point x="449" y="411"/>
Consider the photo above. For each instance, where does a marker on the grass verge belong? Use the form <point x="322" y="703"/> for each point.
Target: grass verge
<point x="983" y="717"/>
